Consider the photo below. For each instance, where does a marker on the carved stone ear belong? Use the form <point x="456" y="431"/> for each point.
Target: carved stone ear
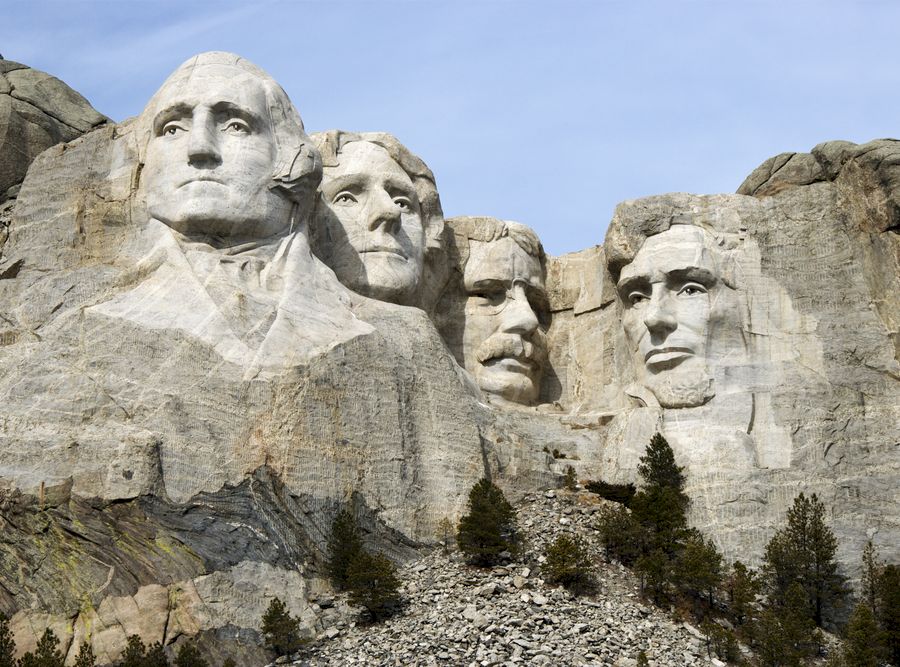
<point x="299" y="172"/>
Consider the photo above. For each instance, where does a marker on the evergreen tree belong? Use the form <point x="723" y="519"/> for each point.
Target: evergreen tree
<point x="344" y="544"/>
<point x="657" y="466"/>
<point x="698" y="567"/>
<point x="156" y="656"/>
<point x="373" y="584"/>
<point x="189" y="656"/>
<point x="621" y="535"/>
<point x="85" y="657"/>
<point x="7" y="644"/>
<point x="863" y="645"/>
<point x="742" y="586"/>
<point x="47" y="653"/>
<point x="135" y="652"/>
<point x="281" y="630"/>
<point x="489" y="528"/>
<point x="871" y="569"/>
<point x="888" y="606"/>
<point x="785" y="633"/>
<point x="567" y="563"/>
<point x="642" y="660"/>
<point x="229" y="663"/>
<point x="570" y="481"/>
<point x="655" y="570"/>
<point x="445" y="533"/>
<point x="803" y="552"/>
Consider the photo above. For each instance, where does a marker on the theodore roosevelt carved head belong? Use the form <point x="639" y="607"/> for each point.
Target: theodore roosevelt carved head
<point x="500" y="335"/>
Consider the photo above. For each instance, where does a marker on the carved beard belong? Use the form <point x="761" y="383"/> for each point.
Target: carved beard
<point x="687" y="387"/>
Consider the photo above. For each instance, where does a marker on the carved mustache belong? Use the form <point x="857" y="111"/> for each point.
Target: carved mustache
<point x="511" y="346"/>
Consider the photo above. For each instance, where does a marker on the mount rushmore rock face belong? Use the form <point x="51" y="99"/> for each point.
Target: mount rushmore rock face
<point x="219" y="331"/>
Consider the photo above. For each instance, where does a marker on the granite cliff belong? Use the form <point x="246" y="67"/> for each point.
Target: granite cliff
<point x="219" y="331"/>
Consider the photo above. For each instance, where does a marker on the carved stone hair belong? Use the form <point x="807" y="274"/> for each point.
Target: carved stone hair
<point x="298" y="166"/>
<point x="331" y="143"/>
<point x="486" y="229"/>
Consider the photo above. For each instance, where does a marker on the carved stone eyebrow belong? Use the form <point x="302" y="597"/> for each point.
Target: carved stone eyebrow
<point x="345" y="181"/>
<point x="629" y="283"/>
<point x="695" y="274"/>
<point x="179" y="110"/>
<point x="230" y="108"/>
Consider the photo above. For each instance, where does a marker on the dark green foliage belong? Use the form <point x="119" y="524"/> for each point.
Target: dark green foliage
<point x="568" y="564"/>
<point x="229" y="663"/>
<point x="489" y="528"/>
<point x="642" y="659"/>
<point x="657" y="466"/>
<point x="698" y="567"/>
<point x="189" y="656"/>
<point x="85" y="657"/>
<point x="156" y="656"/>
<point x="863" y="646"/>
<point x="871" y="569"/>
<point x="47" y="653"/>
<point x="888" y="609"/>
<point x="785" y="633"/>
<point x="721" y="642"/>
<point x="803" y="552"/>
<point x="344" y="544"/>
<point x="373" y="584"/>
<point x="742" y="586"/>
<point x="655" y="569"/>
<point x="7" y="644"/>
<point x="281" y="630"/>
<point x="135" y="652"/>
<point x="570" y="481"/>
<point x="618" y="493"/>
<point x="621" y="535"/>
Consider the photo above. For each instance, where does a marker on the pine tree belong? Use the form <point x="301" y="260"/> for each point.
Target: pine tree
<point x="189" y="656"/>
<point x="743" y="586"/>
<point x="698" y="567"/>
<point x="567" y="563"/>
<point x="803" y="552"/>
<point x="445" y="533"/>
<point x="785" y="633"/>
<point x="871" y="569"/>
<point x="280" y="629"/>
<point x="47" y="653"/>
<point x="373" y="584"/>
<point x="85" y="657"/>
<point x="621" y="535"/>
<point x="344" y="544"/>
<point x="863" y="646"/>
<point x="657" y="466"/>
<point x="888" y="606"/>
<point x="7" y="644"/>
<point x="156" y="656"/>
<point x="135" y="652"/>
<point x="642" y="660"/>
<point x="229" y="662"/>
<point x="489" y="528"/>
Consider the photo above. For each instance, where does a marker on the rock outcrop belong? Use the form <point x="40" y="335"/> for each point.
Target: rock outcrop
<point x="36" y="112"/>
<point x="190" y="393"/>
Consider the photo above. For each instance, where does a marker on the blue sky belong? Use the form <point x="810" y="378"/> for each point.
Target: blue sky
<point x="548" y="113"/>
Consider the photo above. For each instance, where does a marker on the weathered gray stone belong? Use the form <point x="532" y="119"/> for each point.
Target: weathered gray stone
<point x="36" y="112"/>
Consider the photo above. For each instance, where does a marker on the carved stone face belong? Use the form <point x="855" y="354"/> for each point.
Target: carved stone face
<point x="503" y="341"/>
<point x="672" y="299"/>
<point x="211" y="156"/>
<point x="372" y="222"/>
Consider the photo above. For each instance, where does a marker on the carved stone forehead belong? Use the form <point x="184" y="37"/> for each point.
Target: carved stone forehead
<point x="502" y="260"/>
<point x="679" y="248"/>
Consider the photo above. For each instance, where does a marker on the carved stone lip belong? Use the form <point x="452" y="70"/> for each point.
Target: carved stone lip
<point x="201" y="179"/>
<point x="384" y="249"/>
<point x="667" y="355"/>
<point x="514" y="364"/>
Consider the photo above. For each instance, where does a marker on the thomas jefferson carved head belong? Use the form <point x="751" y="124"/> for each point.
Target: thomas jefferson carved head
<point x="680" y="313"/>
<point x="377" y="215"/>
<point x="224" y="153"/>
<point x="501" y="267"/>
